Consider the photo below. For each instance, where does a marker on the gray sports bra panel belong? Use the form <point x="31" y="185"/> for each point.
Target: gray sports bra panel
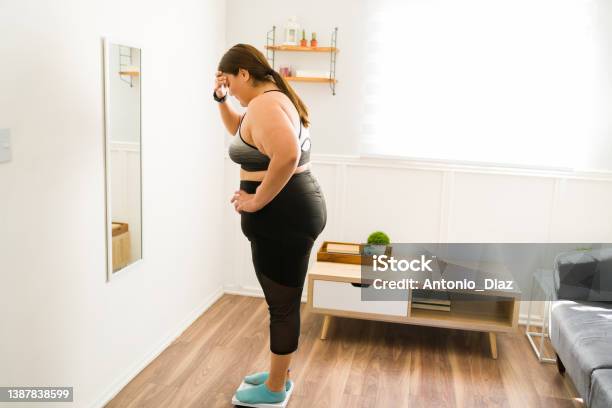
<point x="251" y="159"/>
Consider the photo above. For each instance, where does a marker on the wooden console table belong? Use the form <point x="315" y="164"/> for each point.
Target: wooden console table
<point x="333" y="291"/>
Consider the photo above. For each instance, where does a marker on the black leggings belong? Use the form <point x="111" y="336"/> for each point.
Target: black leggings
<point x="282" y="235"/>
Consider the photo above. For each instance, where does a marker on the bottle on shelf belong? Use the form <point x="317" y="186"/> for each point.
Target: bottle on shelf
<point x="303" y="41"/>
<point x="291" y="31"/>
<point x="285" y="70"/>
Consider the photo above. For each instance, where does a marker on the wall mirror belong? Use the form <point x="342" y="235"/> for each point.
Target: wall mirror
<point x="123" y="160"/>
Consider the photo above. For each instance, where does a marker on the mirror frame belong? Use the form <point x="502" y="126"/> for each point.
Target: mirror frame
<point x="106" y="44"/>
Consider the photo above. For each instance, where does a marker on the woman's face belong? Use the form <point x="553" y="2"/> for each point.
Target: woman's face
<point x="239" y="86"/>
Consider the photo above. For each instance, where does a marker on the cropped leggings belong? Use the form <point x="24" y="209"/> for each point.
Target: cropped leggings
<point x="282" y="235"/>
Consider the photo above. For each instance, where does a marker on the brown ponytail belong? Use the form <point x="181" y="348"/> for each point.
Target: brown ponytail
<point x="250" y="58"/>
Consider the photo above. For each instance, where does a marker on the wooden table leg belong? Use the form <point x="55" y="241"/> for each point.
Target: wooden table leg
<point x="326" y="321"/>
<point x="493" y="345"/>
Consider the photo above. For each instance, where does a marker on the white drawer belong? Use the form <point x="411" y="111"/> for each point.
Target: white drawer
<point x="344" y="296"/>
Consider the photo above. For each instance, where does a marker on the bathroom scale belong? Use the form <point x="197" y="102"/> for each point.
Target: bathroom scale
<point x="282" y="404"/>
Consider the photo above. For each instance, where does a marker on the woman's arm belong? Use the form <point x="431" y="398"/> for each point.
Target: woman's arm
<point x="230" y="118"/>
<point x="273" y="133"/>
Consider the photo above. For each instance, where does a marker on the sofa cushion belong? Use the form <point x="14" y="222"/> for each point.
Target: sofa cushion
<point x="584" y="275"/>
<point x="581" y="333"/>
<point x="601" y="389"/>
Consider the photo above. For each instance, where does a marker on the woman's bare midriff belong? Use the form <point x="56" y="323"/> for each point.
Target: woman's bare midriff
<point x="259" y="175"/>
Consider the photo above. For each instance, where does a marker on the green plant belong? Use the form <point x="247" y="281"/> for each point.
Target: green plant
<point x="378" y="238"/>
<point x="304" y="35"/>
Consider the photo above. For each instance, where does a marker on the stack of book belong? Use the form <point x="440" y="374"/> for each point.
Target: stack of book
<point x="346" y="252"/>
<point x="431" y="300"/>
<point x="343" y="248"/>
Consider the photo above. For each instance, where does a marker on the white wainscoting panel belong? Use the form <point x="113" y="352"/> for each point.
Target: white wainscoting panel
<point x="500" y="208"/>
<point x="583" y="211"/>
<point x="404" y="203"/>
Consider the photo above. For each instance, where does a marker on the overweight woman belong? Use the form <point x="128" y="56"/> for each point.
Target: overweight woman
<point x="280" y="202"/>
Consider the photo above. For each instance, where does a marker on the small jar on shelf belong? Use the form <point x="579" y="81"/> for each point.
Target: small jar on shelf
<point x="285" y="71"/>
<point x="313" y="41"/>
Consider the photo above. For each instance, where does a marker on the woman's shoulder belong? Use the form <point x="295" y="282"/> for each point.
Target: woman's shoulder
<point x="263" y="106"/>
<point x="268" y="98"/>
<point x="270" y="104"/>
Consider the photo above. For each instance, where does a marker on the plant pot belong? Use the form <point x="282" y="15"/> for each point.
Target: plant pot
<point x="303" y="43"/>
<point x="374" y="249"/>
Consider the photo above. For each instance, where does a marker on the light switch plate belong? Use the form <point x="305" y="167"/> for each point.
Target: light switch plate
<point x="5" y="145"/>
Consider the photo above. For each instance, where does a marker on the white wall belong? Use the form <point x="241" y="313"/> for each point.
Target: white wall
<point x="62" y="323"/>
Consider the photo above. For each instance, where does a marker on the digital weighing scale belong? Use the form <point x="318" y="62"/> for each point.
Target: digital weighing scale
<point x="282" y="404"/>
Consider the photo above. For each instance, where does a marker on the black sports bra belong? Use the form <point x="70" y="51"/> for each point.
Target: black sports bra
<point x="251" y="159"/>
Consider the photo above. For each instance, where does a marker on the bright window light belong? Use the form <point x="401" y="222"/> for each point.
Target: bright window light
<point x="520" y="82"/>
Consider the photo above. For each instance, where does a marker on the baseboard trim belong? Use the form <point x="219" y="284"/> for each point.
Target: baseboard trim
<point x="256" y="291"/>
<point x="136" y="368"/>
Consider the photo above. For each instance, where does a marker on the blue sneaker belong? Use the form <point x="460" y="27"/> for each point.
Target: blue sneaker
<point x="261" y="377"/>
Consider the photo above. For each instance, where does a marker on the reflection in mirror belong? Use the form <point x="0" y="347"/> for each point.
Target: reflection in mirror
<point x="123" y="155"/>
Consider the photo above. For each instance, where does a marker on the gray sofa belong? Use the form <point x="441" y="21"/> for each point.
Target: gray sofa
<point x="581" y="323"/>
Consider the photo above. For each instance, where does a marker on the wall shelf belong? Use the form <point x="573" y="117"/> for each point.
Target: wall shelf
<point x="301" y="49"/>
<point x="310" y="79"/>
<point x="272" y="48"/>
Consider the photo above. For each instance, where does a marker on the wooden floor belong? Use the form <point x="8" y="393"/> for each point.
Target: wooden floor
<point x="361" y="364"/>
